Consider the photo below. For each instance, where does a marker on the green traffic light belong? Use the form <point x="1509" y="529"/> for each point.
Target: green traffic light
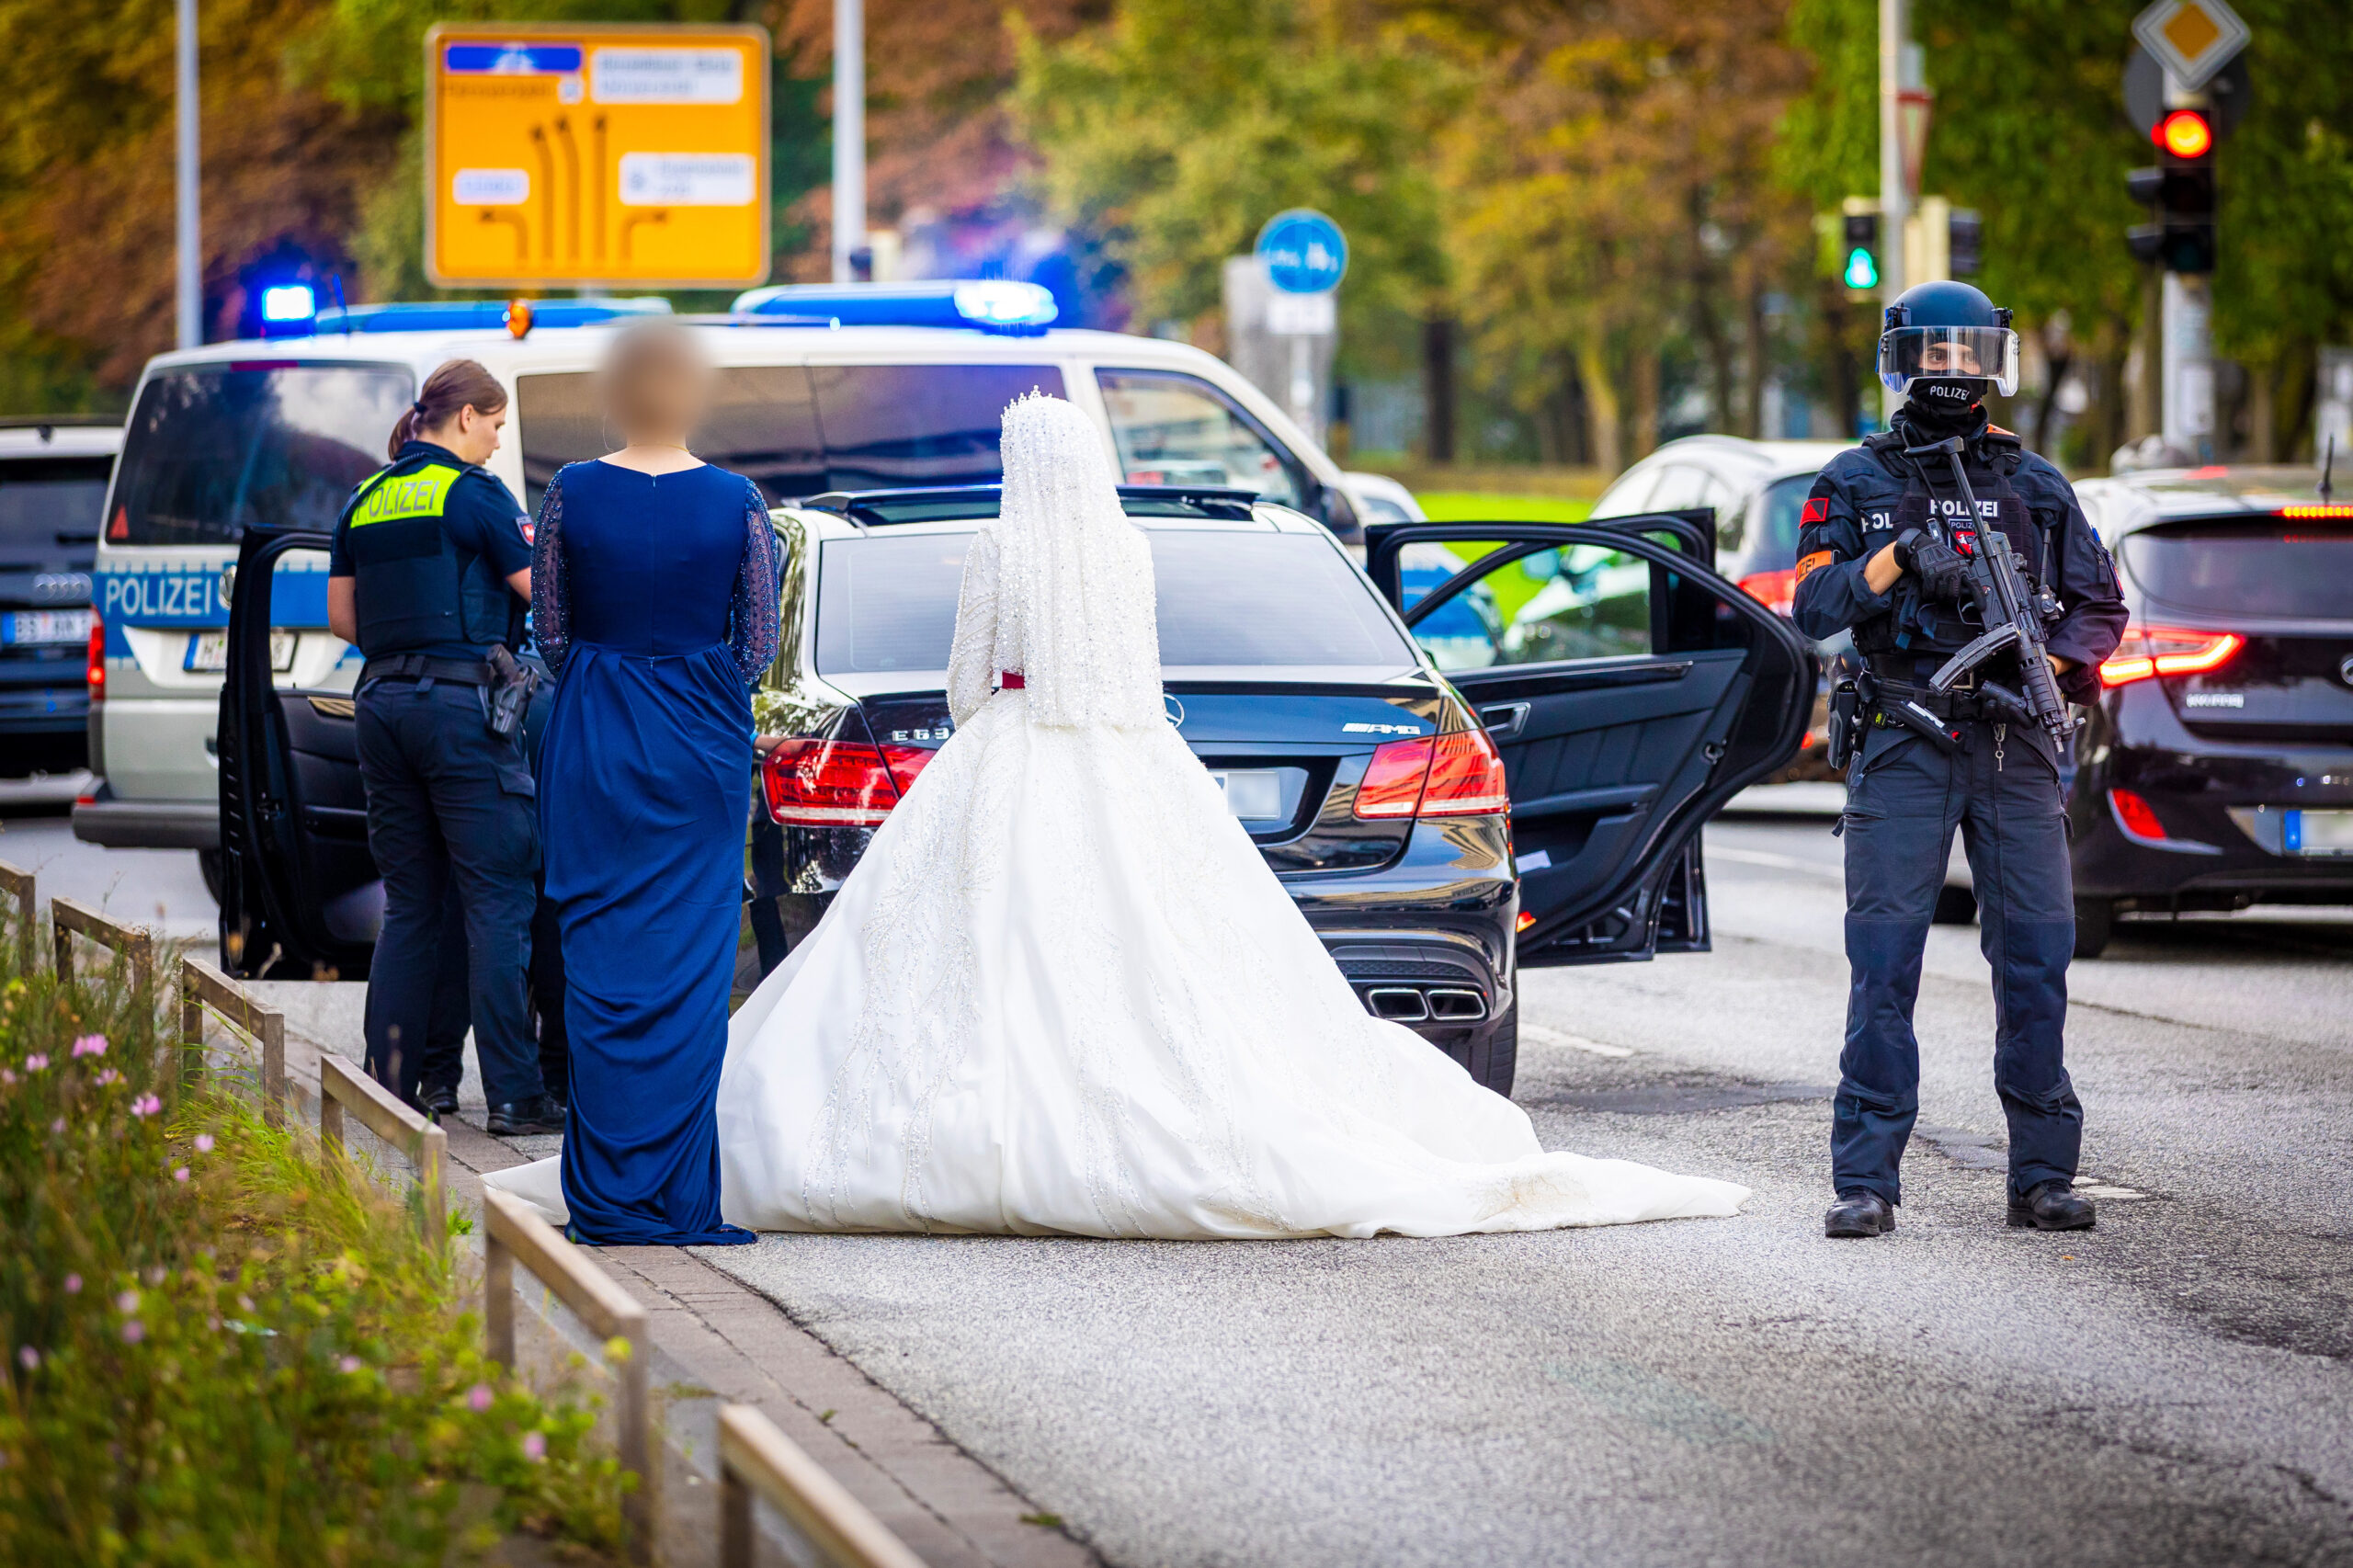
<point x="1862" y="269"/>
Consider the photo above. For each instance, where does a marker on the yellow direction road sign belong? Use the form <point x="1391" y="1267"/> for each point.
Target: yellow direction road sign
<point x="603" y="154"/>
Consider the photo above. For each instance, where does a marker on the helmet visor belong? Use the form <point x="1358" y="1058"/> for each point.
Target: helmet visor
<point x="1990" y="354"/>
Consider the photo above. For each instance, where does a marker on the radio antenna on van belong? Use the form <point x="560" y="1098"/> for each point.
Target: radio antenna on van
<point x="2328" y="491"/>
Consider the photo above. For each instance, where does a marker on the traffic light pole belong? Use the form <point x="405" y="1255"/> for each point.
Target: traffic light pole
<point x="188" y="229"/>
<point x="1894" y="200"/>
<point x="849" y="136"/>
<point x="2187" y="336"/>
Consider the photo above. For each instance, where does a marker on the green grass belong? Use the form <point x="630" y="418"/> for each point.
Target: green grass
<point x="222" y="1348"/>
<point x="1466" y="505"/>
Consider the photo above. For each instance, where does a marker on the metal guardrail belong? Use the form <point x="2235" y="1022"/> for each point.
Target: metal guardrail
<point x="513" y="1233"/>
<point x="18" y="882"/>
<point x="755" y="1459"/>
<point x="203" y="986"/>
<point x="67" y="917"/>
<point x="342" y="1086"/>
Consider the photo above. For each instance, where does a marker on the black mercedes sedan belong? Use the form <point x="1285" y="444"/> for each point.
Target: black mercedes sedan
<point x="2216" y="770"/>
<point x="1507" y="765"/>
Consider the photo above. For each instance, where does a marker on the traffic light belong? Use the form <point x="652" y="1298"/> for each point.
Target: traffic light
<point x="2181" y="189"/>
<point x="1861" y="269"/>
<point x="1966" y="243"/>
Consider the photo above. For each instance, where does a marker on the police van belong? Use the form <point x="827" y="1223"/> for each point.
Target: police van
<point x="819" y="388"/>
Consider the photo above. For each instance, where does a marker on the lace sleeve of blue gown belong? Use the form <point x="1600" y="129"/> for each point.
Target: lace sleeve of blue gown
<point x="548" y="627"/>
<point x="759" y="584"/>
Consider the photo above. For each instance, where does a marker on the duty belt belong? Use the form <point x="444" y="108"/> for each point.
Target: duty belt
<point x="1951" y="706"/>
<point x="424" y="666"/>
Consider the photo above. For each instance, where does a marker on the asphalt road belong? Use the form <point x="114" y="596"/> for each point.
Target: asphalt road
<point x="2174" y="1388"/>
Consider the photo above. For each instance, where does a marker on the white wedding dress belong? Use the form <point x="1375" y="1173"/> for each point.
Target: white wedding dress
<point x="1062" y="993"/>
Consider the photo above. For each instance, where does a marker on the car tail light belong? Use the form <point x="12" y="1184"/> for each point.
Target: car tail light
<point x="819" y="783"/>
<point x="95" y="672"/>
<point x="2139" y="819"/>
<point x="1777" y="591"/>
<point x="2148" y="651"/>
<point x="1456" y="774"/>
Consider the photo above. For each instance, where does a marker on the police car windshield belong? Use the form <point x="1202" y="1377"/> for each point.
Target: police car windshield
<point x="888" y="603"/>
<point x="48" y="512"/>
<point x="215" y="449"/>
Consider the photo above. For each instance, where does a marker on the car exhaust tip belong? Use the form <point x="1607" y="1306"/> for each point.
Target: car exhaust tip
<point x="1398" y="1004"/>
<point x="1458" y="1007"/>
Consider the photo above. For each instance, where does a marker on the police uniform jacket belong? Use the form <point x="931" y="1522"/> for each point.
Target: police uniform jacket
<point x="1865" y="498"/>
<point x="430" y="541"/>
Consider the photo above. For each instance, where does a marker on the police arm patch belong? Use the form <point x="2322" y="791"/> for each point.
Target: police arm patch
<point x="1817" y="510"/>
<point x="523" y="525"/>
<point x="1808" y="565"/>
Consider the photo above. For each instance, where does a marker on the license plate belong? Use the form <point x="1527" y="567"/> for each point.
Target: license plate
<point x="207" y="651"/>
<point x="49" y="626"/>
<point x="1255" y="796"/>
<point x="2317" y="833"/>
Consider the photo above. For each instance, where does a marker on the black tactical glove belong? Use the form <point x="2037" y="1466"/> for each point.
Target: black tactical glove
<point x="1942" y="570"/>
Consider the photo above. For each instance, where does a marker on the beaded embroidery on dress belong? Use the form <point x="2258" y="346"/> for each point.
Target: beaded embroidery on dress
<point x="1062" y="992"/>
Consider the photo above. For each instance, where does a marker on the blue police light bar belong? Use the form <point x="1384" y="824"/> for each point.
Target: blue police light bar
<point x="484" y="315"/>
<point x="990" y="304"/>
<point x="288" y="302"/>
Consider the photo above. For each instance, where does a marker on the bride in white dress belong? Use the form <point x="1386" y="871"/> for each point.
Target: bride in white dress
<point x="1062" y="993"/>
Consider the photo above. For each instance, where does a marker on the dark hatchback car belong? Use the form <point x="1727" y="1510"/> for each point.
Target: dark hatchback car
<point x="1618" y="695"/>
<point x="53" y="472"/>
<point x="2216" y="769"/>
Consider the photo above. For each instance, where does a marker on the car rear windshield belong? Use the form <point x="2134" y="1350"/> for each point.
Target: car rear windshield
<point x="214" y="450"/>
<point x="1225" y="598"/>
<point x="2272" y="566"/>
<point x="50" y="509"/>
<point x="797" y="431"/>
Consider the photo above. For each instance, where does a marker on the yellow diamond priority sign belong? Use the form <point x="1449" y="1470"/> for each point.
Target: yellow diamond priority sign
<point x="578" y="156"/>
<point x="2191" y="39"/>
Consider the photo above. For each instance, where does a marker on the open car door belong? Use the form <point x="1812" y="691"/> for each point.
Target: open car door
<point x="1632" y="692"/>
<point x="300" y="897"/>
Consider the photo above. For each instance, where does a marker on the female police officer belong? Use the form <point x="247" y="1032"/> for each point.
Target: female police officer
<point x="429" y="574"/>
<point x="1882" y="550"/>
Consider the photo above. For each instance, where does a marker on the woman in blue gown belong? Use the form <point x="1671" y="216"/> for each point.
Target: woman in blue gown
<point x="654" y="582"/>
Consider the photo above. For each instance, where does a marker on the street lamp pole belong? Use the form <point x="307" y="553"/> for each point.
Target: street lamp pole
<point x="850" y="133"/>
<point x="189" y="229"/>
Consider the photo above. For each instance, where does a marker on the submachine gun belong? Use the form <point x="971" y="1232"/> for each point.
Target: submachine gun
<point x="2014" y="616"/>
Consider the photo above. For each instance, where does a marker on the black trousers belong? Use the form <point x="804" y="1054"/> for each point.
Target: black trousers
<point x="1905" y="797"/>
<point x="449" y="808"/>
<point x="445" y="1044"/>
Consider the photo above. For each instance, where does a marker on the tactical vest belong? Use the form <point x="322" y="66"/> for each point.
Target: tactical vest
<point x="414" y="588"/>
<point x="1912" y="627"/>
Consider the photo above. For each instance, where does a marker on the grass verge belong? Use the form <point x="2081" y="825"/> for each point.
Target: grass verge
<point x="222" y="1348"/>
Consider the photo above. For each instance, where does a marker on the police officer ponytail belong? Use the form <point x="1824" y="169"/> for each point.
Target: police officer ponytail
<point x="456" y="385"/>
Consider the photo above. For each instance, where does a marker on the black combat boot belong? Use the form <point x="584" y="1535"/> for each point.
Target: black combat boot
<point x="438" y="1100"/>
<point x="2053" y="1205"/>
<point x="1859" y="1213"/>
<point x="519" y="1118"/>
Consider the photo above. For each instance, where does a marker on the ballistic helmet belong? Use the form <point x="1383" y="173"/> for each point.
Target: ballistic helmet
<point x="1947" y="346"/>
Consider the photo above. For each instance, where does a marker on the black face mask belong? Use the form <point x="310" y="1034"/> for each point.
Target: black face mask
<point x="1949" y="403"/>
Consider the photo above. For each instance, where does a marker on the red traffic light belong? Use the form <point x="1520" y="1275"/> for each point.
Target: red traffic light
<point x="2185" y="134"/>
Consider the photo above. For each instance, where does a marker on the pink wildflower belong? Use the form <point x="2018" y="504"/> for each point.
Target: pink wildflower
<point x="535" y="1446"/>
<point x="27" y="1358"/>
<point x="108" y="1076"/>
<point x="351" y="1364"/>
<point x="180" y="1174"/>
<point x="127" y="1302"/>
<point x="73" y="1284"/>
<point x="478" y="1398"/>
<point x="58" y="1126"/>
<point x="146" y="1105"/>
<point x="7" y="1078"/>
<point x="90" y="1045"/>
<point x="35" y="1062"/>
<point x="134" y="1332"/>
<point x="204" y="1143"/>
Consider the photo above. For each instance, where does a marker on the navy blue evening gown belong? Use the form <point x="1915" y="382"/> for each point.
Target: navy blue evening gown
<point x="654" y="600"/>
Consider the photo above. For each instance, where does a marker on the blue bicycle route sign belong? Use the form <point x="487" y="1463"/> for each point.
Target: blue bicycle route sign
<point x="1303" y="251"/>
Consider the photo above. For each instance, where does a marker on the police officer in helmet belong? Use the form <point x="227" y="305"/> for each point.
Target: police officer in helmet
<point x="429" y="574"/>
<point x="1883" y="550"/>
